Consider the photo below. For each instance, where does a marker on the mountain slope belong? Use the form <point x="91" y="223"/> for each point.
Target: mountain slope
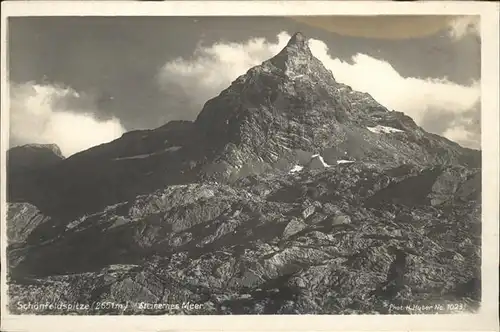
<point x="290" y="193"/>
<point x="273" y="115"/>
<point x="292" y="102"/>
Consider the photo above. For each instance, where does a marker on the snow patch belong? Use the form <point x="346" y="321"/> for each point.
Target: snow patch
<point x="317" y="161"/>
<point x="384" y="130"/>
<point x="322" y="161"/>
<point x="295" y="169"/>
<point x="296" y="76"/>
<point x="344" y="161"/>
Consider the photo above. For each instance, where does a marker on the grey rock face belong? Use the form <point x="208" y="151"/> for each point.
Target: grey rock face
<point x="208" y="212"/>
<point x="341" y="219"/>
<point x="293" y="227"/>
<point x="257" y="260"/>
<point x="24" y="219"/>
<point x="308" y="211"/>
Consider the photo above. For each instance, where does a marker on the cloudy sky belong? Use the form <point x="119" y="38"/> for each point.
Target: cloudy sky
<point x="83" y="81"/>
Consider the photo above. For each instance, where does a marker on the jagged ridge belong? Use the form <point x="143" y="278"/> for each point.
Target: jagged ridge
<point x="292" y="103"/>
<point x="321" y="197"/>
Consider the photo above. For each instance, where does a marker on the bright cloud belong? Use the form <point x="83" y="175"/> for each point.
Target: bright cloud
<point x="52" y="114"/>
<point x="191" y="82"/>
<point x="213" y="68"/>
<point x="414" y="96"/>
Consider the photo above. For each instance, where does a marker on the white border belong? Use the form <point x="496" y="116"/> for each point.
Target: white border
<point x="486" y="320"/>
<point x="242" y="8"/>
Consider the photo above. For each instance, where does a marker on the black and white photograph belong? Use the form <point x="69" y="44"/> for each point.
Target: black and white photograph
<point x="250" y="165"/>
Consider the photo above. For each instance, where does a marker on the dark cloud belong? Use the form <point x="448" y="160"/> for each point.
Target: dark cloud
<point x="464" y="127"/>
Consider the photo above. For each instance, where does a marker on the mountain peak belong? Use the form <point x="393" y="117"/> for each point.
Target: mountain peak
<point x="298" y="39"/>
<point x="36" y="147"/>
<point x="296" y="57"/>
<point x="297" y="45"/>
<point x="33" y="156"/>
<point x="291" y="103"/>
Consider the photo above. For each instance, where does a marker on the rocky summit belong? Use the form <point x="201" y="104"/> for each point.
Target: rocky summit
<point x="32" y="156"/>
<point x="290" y="193"/>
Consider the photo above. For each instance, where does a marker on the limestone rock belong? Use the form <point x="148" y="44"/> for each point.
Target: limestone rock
<point x="293" y="227"/>
<point x="208" y="212"/>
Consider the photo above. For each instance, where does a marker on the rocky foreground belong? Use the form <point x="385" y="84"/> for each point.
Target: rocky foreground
<point x="272" y="244"/>
<point x="289" y="194"/>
